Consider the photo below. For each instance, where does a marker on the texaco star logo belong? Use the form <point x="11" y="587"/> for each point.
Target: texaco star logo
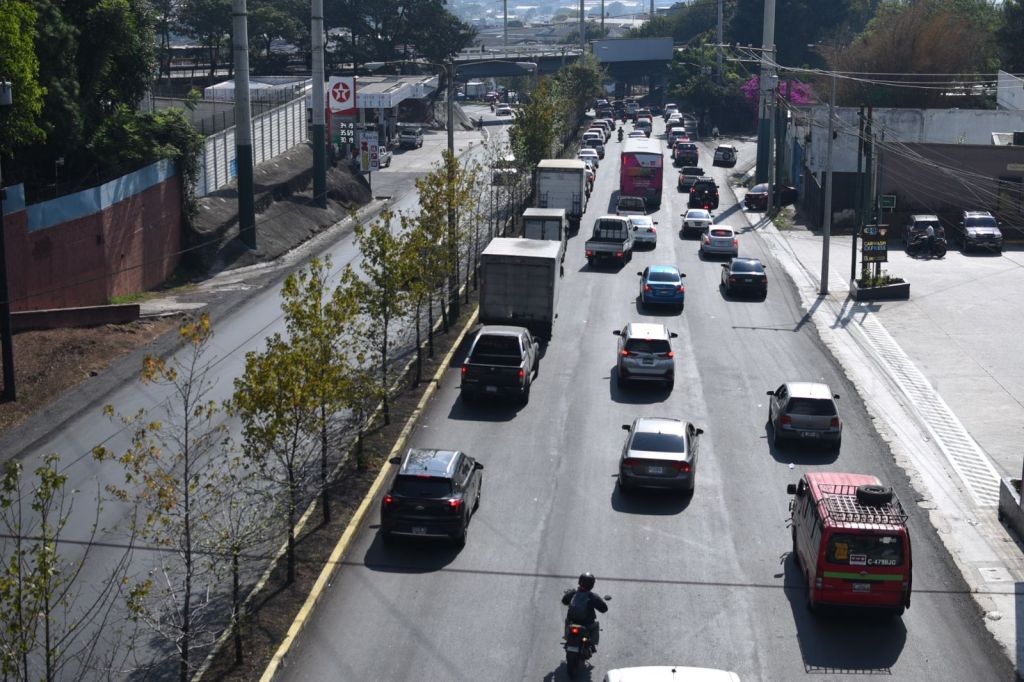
<point x="341" y="92"/>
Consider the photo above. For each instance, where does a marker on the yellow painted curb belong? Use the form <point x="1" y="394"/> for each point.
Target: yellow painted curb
<point x="357" y="518"/>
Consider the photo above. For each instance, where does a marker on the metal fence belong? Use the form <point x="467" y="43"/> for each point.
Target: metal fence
<point x="273" y="133"/>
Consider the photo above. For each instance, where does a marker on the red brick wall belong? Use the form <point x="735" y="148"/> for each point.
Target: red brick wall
<point x="131" y="246"/>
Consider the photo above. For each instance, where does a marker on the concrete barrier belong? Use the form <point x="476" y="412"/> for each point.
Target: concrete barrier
<point x="60" y="318"/>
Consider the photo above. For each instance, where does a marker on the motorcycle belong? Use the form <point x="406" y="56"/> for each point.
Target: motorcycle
<point x="578" y="646"/>
<point x="620" y="134"/>
<point x="918" y="246"/>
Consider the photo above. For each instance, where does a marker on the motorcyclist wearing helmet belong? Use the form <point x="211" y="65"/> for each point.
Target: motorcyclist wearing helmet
<point x="583" y="605"/>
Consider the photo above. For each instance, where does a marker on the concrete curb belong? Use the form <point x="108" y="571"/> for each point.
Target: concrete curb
<point x="341" y="548"/>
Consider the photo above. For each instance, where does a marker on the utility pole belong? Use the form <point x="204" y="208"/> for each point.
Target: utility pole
<point x="859" y="222"/>
<point x="826" y="229"/>
<point x="243" y="126"/>
<point x="505" y="3"/>
<point x="770" y="205"/>
<point x="583" y="30"/>
<point x="6" y="333"/>
<point x="319" y="127"/>
<point x="602" y="19"/>
<point x="453" y="273"/>
<point x="767" y="90"/>
<point x="718" y="57"/>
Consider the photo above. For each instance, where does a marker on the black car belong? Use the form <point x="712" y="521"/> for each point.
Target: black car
<point x="746" y="275"/>
<point x="757" y="196"/>
<point x="703" y="194"/>
<point x="434" y="494"/>
<point x="979" y="230"/>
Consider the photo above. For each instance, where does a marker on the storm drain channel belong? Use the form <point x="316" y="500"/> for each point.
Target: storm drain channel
<point x="962" y="452"/>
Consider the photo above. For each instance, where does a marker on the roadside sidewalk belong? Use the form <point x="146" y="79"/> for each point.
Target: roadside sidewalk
<point x="942" y="378"/>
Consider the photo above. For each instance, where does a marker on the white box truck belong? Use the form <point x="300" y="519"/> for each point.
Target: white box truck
<point x="562" y="183"/>
<point x="519" y="283"/>
<point x="476" y="90"/>
<point x="547" y="223"/>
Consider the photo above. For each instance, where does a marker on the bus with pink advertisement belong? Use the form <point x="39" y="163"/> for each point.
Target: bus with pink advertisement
<point x="641" y="169"/>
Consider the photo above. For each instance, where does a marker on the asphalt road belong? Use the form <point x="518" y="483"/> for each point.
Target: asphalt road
<point x="240" y="329"/>
<point x="706" y="581"/>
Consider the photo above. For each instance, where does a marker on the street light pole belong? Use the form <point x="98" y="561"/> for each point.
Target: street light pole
<point x="243" y="126"/>
<point x="319" y="124"/>
<point x="453" y="252"/>
<point x="826" y="230"/>
<point x="6" y="334"/>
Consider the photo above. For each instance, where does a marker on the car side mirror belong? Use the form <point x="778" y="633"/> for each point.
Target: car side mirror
<point x="725" y="265"/>
<point x="770" y="393"/>
<point x="617" y="332"/>
<point x="791" y="489"/>
<point x="836" y="396"/>
<point x="478" y="466"/>
<point x="626" y="427"/>
<point x="640" y="274"/>
<point x="698" y="431"/>
<point x="673" y="335"/>
<point x="682" y="274"/>
<point x="655" y="222"/>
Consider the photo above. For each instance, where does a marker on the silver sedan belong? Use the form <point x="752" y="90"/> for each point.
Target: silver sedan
<point x="696" y="221"/>
<point x="659" y="453"/>
<point x="719" y="240"/>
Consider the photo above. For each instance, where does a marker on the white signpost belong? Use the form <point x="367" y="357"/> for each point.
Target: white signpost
<point x="368" y="160"/>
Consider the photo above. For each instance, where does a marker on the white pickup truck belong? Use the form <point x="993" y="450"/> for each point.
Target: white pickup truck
<point x="612" y="240"/>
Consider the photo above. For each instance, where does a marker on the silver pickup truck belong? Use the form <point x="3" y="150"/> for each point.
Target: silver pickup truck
<point x="612" y="240"/>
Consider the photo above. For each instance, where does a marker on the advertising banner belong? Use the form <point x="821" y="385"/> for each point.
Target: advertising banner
<point x="341" y="93"/>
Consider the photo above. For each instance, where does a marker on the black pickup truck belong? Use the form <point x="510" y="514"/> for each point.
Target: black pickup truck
<point x="502" y="361"/>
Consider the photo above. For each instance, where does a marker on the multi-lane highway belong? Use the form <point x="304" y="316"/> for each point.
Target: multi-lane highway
<point x="706" y="581"/>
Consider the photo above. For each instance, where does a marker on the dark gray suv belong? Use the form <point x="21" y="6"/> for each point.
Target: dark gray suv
<point x="979" y="230"/>
<point x="801" y="410"/>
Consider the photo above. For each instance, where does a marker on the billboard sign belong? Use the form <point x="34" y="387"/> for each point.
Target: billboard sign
<point x="341" y="93"/>
<point x="874" y="245"/>
<point x="368" y="160"/>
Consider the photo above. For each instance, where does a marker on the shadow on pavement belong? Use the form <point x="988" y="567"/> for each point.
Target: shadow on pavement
<point x="651" y="501"/>
<point x="851" y="642"/>
<point x="645" y="393"/>
<point x="410" y="555"/>
<point x="657" y="309"/>
<point x="801" y="453"/>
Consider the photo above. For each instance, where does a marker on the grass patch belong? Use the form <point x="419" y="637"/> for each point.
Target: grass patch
<point x="783" y="220"/>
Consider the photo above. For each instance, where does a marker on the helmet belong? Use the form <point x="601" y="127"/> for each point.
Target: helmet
<point x="587" y="581"/>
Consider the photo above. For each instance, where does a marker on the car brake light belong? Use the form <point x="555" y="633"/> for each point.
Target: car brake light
<point x="652" y="229"/>
<point x="647" y="287"/>
<point x="625" y="352"/>
<point x="835" y="422"/>
<point x="455" y="505"/>
<point x="682" y="289"/>
<point x="589" y="253"/>
<point x="388" y="500"/>
<point x="732" y="280"/>
<point x="670" y="354"/>
<point x="629" y="462"/>
<point x="465" y="369"/>
<point x="683" y="466"/>
<point x="735" y="242"/>
<point x="786" y="419"/>
<point x="574" y="630"/>
<point x="522" y="374"/>
<point x="618" y="254"/>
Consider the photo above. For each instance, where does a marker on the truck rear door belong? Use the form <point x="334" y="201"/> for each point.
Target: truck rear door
<point x="865" y="567"/>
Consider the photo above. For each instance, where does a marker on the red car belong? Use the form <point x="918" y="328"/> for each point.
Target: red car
<point x="757" y="196"/>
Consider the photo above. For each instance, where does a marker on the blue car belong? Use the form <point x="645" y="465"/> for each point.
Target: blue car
<point x="663" y="285"/>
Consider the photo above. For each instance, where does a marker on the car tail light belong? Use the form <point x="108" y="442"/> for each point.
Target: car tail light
<point x="465" y="370"/>
<point x="670" y="354"/>
<point x="735" y="242"/>
<point x="647" y="287"/>
<point x="652" y="230"/>
<point x="589" y="253"/>
<point x="455" y="505"/>
<point x="618" y="254"/>
<point x="786" y="419"/>
<point x="732" y="280"/>
<point x="629" y="462"/>
<point x="522" y="374"/>
<point x="625" y="352"/>
<point x="704" y="238"/>
<point x="835" y="423"/>
<point x="388" y="500"/>
<point x="682" y="289"/>
<point x="574" y="630"/>
<point x="683" y="467"/>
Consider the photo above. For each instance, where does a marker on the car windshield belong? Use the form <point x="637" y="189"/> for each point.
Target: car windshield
<point x="494" y="344"/>
<point x="811" y="406"/>
<point x="857" y="549"/>
<point x="662" y="276"/>
<point x="631" y="203"/>
<point x="981" y="221"/>
<point x="698" y="215"/>
<point x="641" y="221"/>
<point x="648" y="346"/>
<point x="747" y="266"/>
<point x="423" y="486"/>
<point x="721" y="233"/>
<point x="658" y="442"/>
<point x="759" y="189"/>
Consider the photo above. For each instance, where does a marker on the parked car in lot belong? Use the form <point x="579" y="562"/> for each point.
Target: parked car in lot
<point x="719" y="240"/>
<point x="979" y="230"/>
<point x="801" y="410"/>
<point x="410" y="138"/>
<point x="725" y="155"/>
<point x="851" y="542"/>
<point x="917" y="225"/>
<point x="744" y="275"/>
<point x="645" y="354"/>
<point x="757" y="196"/>
<point x="662" y="285"/>
<point x="659" y="453"/>
<point x="645" y="230"/>
<point x="503" y="361"/>
<point x="631" y="206"/>
<point x="433" y="494"/>
<point x="703" y="194"/>
<point x="687" y="176"/>
<point x="696" y="221"/>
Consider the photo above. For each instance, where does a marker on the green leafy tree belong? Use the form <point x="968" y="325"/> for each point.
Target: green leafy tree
<point x="432" y="223"/>
<point x="270" y="21"/>
<point x="316" y="318"/>
<point x="534" y="132"/>
<point x="209" y="22"/>
<point x="277" y="406"/>
<point x="165" y="476"/>
<point x="381" y="300"/>
<point x="18" y="62"/>
<point x="116" y="57"/>
<point x="1011" y="35"/>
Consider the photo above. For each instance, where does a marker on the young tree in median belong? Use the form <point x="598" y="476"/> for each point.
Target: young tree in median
<point x="433" y="222"/>
<point x="277" y="405"/>
<point x="316" y="318"/>
<point x="44" y="617"/>
<point x="533" y="133"/>
<point x="166" y="475"/>
<point x="380" y="298"/>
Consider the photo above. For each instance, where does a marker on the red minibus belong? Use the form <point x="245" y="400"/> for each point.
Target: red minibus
<point x="641" y="169"/>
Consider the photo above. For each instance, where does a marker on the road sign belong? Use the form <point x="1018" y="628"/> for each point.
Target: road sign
<point x="874" y="247"/>
<point x="368" y="150"/>
<point x="342" y="94"/>
<point x="344" y="132"/>
<point x="888" y="202"/>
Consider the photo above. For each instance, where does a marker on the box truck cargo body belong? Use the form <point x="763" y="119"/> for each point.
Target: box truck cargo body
<point x="519" y="283"/>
